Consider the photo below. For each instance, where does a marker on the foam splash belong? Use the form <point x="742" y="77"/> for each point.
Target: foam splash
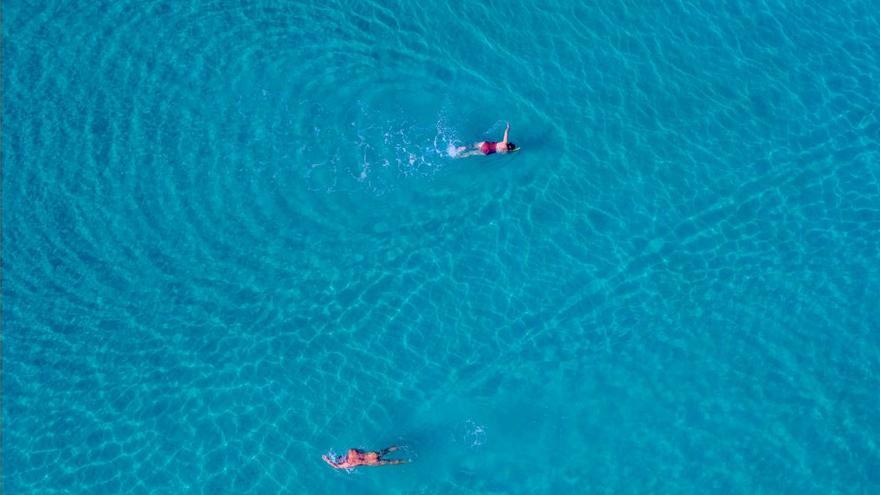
<point x="383" y="152"/>
<point x="445" y="135"/>
<point x="452" y="150"/>
<point x="474" y="434"/>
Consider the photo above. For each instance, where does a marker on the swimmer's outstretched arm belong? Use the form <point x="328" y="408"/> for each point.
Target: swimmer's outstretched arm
<point x="506" y="131"/>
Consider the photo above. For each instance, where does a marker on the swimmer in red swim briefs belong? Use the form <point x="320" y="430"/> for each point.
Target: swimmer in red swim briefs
<point x="357" y="457"/>
<point x="487" y="147"/>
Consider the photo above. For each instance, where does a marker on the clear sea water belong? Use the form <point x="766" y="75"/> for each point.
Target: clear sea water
<point x="233" y="240"/>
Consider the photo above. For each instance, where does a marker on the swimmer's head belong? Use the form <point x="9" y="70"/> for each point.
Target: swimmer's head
<point x="511" y="147"/>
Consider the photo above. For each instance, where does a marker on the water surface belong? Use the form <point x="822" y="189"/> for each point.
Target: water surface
<point x="233" y="240"/>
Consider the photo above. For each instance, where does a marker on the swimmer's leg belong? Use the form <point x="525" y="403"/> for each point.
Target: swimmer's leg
<point x="389" y="449"/>
<point x="470" y="153"/>
<point x="395" y="461"/>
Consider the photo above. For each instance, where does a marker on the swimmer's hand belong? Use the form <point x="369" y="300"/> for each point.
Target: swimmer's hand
<point x="330" y="461"/>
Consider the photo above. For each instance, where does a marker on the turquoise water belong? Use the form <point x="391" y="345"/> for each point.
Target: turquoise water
<point x="233" y="241"/>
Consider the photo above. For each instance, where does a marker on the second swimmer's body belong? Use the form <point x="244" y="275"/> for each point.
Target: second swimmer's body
<point x="357" y="457"/>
